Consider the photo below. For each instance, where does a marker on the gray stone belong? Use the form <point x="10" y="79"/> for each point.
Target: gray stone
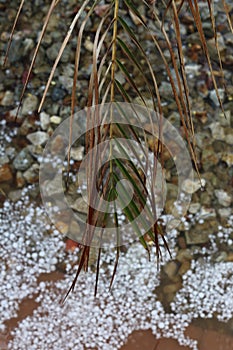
<point x="225" y="120"/>
<point x="15" y="195"/>
<point x="223" y="197"/>
<point x="35" y="151"/>
<point x="74" y="230"/>
<point x="27" y="126"/>
<point x="193" y="69"/>
<point x="23" y="160"/>
<point x="10" y="152"/>
<point x="229" y="139"/>
<point x="214" y="98"/>
<point x="32" y="174"/>
<point x="52" y="187"/>
<point x="228" y="37"/>
<point x="80" y="205"/>
<point x="29" y="104"/>
<point x="28" y="45"/>
<point x="4" y="159"/>
<point x="38" y="138"/>
<point x="192" y="186"/>
<point x="224" y="212"/>
<point x="44" y="120"/>
<point x="77" y="153"/>
<point x="53" y="50"/>
<point x="165" y="90"/>
<point x="8" y="99"/>
<point x="58" y="94"/>
<point x="199" y="234"/>
<point x="217" y="131"/>
<point x="194" y="208"/>
<point x="207" y="213"/>
<point x="209" y="158"/>
<point x="221" y="256"/>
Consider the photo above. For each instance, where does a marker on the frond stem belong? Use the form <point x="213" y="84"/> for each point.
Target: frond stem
<point x="113" y="68"/>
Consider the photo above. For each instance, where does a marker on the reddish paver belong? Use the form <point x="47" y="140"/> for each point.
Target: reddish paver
<point x="207" y="340"/>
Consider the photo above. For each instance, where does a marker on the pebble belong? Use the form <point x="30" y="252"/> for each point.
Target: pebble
<point x="172" y="288"/>
<point x="53" y="50"/>
<point x="28" y="45"/>
<point x="29" y="104"/>
<point x="229" y="139"/>
<point x="197" y="235"/>
<point x="165" y="90"/>
<point x="38" y="138"/>
<point x="8" y="99"/>
<point x="10" y="152"/>
<point x="171" y="268"/>
<point x="57" y="145"/>
<point x="23" y="160"/>
<point x="207" y="213"/>
<point x="221" y="256"/>
<point x="27" y="126"/>
<point x="228" y="37"/>
<point x="217" y="131"/>
<point x="223" y="197"/>
<point x="5" y="173"/>
<point x="194" y="208"/>
<point x="184" y="267"/>
<point x="225" y="120"/>
<point x="15" y="195"/>
<point x="80" y="205"/>
<point x="213" y="96"/>
<point x="88" y="44"/>
<point x="53" y="187"/>
<point x="55" y="119"/>
<point x="44" y="120"/>
<point x="31" y="175"/>
<point x="35" y="151"/>
<point x="209" y="158"/>
<point x="224" y="212"/>
<point x="74" y="231"/>
<point x="230" y="258"/>
<point x="4" y="159"/>
<point x="20" y="181"/>
<point x="58" y="94"/>
<point x="183" y="255"/>
<point x="181" y="242"/>
<point x="192" y="186"/>
<point x="63" y="227"/>
<point x="77" y="153"/>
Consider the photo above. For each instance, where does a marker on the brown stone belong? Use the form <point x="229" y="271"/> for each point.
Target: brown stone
<point x="5" y="173"/>
<point x="171" y="269"/>
<point x="20" y="181"/>
<point x="57" y="145"/>
<point x="230" y="257"/>
<point x="184" y="267"/>
<point x="172" y="288"/>
<point x="182" y="242"/>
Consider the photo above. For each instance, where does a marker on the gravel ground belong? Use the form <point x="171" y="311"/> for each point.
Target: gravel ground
<point x="195" y="284"/>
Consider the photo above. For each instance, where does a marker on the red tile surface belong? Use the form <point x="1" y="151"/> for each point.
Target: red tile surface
<point x="207" y="340"/>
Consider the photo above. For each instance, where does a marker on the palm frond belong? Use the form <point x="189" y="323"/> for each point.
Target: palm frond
<point x="117" y="49"/>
